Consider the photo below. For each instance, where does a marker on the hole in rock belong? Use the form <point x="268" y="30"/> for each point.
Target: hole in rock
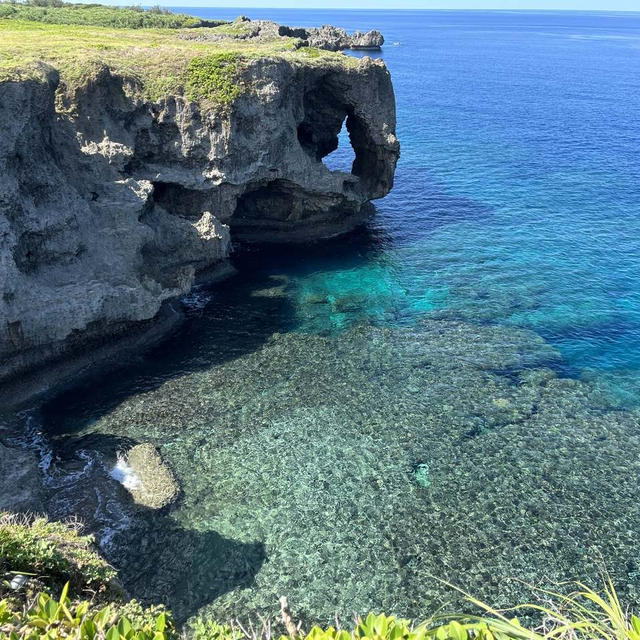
<point x="182" y="201"/>
<point x="273" y="201"/>
<point x="343" y="157"/>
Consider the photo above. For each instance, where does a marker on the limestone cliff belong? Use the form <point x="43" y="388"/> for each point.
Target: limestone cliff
<point x="111" y="204"/>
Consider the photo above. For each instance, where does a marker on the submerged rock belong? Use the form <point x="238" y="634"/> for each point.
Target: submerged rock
<point x="147" y="478"/>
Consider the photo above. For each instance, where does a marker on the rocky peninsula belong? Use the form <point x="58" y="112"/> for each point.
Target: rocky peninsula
<point x="132" y="159"/>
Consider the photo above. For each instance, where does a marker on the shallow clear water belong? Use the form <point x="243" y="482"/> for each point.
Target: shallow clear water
<point x="450" y="392"/>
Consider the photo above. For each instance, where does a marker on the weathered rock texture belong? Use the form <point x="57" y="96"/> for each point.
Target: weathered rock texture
<point x="110" y="205"/>
<point x="327" y="37"/>
<point x="152" y="483"/>
<point x="334" y="38"/>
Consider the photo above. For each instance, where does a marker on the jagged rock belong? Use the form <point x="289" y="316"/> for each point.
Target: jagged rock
<point x="111" y="205"/>
<point x="21" y="480"/>
<point x="371" y="40"/>
<point x="327" y="37"/>
<point x="336" y="39"/>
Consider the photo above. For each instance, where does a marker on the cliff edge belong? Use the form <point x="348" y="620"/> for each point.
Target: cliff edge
<point x="121" y="181"/>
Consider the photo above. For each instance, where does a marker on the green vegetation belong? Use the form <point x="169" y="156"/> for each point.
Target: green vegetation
<point x="48" y="552"/>
<point x="56" y="550"/>
<point x="159" y="54"/>
<point x="99" y="16"/>
<point x="52" y="618"/>
<point x="234" y="29"/>
<point x="584" y="615"/>
<point x="214" y="77"/>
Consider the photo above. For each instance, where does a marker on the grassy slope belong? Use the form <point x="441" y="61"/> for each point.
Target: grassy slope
<point x="162" y="60"/>
<point x="98" y="16"/>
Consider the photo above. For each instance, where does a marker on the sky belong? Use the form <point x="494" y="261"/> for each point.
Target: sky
<point x="583" y="5"/>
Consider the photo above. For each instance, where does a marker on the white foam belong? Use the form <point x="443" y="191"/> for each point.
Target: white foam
<point x="33" y="438"/>
<point x="125" y="475"/>
<point x="197" y="299"/>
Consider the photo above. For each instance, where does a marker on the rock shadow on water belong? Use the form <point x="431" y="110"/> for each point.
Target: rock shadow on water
<point x="235" y="322"/>
<point x="241" y="315"/>
<point x="158" y="560"/>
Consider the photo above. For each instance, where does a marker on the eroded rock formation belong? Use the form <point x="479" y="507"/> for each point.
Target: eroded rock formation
<point x="334" y="38"/>
<point x="327" y="37"/>
<point x="111" y="205"/>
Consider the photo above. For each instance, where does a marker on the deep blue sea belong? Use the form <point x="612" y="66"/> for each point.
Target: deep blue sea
<point x="450" y="393"/>
<point x="517" y="198"/>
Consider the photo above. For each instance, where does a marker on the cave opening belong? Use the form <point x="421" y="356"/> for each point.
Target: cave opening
<point x="181" y="201"/>
<point x="341" y="141"/>
<point x="344" y="155"/>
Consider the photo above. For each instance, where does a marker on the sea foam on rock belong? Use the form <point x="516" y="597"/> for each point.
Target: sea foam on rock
<point x="146" y="477"/>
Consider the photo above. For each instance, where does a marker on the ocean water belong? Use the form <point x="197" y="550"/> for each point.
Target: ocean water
<point x="450" y="393"/>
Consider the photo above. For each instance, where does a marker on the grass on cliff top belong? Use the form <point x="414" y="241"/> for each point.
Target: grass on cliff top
<point x="52" y="551"/>
<point x="160" y="61"/>
<point x="99" y="16"/>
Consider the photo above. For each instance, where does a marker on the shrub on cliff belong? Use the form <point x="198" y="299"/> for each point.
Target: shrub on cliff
<point x="57" y="12"/>
<point x="51" y="552"/>
<point x="213" y="77"/>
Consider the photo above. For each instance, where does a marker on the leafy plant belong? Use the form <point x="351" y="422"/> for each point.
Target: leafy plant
<point x="50" y="619"/>
<point x="54" y="551"/>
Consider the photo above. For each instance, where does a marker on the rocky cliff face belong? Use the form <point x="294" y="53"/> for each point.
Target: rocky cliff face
<point x="111" y="205"/>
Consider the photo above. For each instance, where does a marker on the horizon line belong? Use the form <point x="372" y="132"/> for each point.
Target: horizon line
<point x="387" y="9"/>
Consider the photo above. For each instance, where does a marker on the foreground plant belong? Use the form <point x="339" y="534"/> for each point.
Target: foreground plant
<point x="52" y="557"/>
<point x="50" y="619"/>
<point x="55" y="551"/>
<point x="583" y="614"/>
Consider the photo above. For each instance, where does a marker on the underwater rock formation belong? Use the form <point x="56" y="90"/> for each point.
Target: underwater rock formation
<point x="111" y="204"/>
<point x="143" y="473"/>
<point x="441" y="449"/>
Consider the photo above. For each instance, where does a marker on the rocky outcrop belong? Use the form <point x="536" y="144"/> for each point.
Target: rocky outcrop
<point x="147" y="478"/>
<point x="110" y="205"/>
<point x="327" y="37"/>
<point x="334" y="38"/>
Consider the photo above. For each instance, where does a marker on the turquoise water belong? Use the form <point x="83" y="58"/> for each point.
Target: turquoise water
<point x="518" y="192"/>
<point x="449" y="392"/>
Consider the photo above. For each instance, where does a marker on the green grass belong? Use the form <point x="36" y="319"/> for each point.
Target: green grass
<point x="98" y="16"/>
<point x="157" y="61"/>
<point x="233" y="29"/>
<point x="52" y="551"/>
